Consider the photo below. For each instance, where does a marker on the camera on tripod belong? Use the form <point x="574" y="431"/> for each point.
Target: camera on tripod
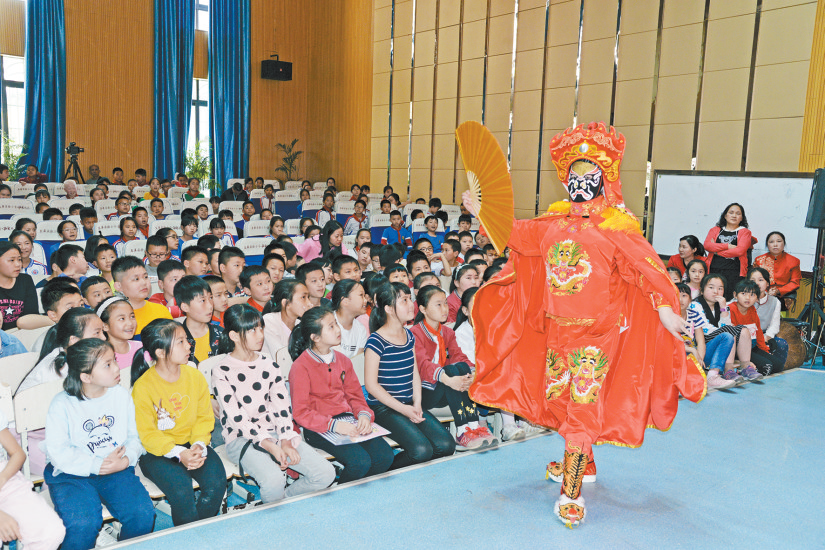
<point x="73" y="150"/>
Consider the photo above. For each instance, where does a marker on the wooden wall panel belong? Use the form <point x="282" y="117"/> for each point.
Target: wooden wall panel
<point x="12" y="27"/>
<point x="327" y="105"/>
<point x="109" y="91"/>
<point x="812" y="150"/>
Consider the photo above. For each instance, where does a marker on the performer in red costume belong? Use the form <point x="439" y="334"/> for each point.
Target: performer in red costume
<point x="580" y="331"/>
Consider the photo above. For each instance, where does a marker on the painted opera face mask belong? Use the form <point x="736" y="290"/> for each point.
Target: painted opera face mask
<point x="584" y="181"/>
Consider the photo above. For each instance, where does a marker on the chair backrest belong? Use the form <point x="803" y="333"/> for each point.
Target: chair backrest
<point x="14" y="368"/>
<point x="81" y="244"/>
<point x="349" y="242"/>
<point x="63" y="204"/>
<point x="342" y="196"/>
<point x="256" y="194"/>
<point x="375" y="199"/>
<point x="236" y="207"/>
<point x="205" y="367"/>
<point x="106" y="207"/>
<point x="408" y="208"/>
<point x="316" y="194"/>
<point x="139" y="191"/>
<point x="284" y="361"/>
<point x="168" y="222"/>
<point x="288" y="195"/>
<point x="253" y="246"/>
<point x="107" y="228"/>
<point x="11" y="207"/>
<point x="346" y="207"/>
<point x="319" y="185"/>
<point x="58" y="190"/>
<point x="47" y="230"/>
<point x="176" y="192"/>
<point x="195" y="203"/>
<point x="358" y="365"/>
<point x="115" y="190"/>
<point x="274" y="183"/>
<point x="292" y="185"/>
<point x="22" y="189"/>
<point x="231" y="181"/>
<point x="6" y="227"/>
<point x="136" y="248"/>
<point x="28" y="339"/>
<point x="298" y="239"/>
<point x="6" y="403"/>
<point x="31" y="407"/>
<point x="187" y="244"/>
<point x="256" y="228"/>
<point x="310" y="207"/>
<point x="378" y="222"/>
<point x="419" y="227"/>
<point x="291" y="227"/>
<point x="147" y="204"/>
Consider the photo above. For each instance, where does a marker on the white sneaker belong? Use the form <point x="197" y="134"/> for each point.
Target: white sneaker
<point x="530" y="429"/>
<point x="716" y="382"/>
<point x="107" y="536"/>
<point x="511" y="432"/>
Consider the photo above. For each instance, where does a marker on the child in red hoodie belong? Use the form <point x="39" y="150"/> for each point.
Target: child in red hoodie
<point x="327" y="398"/>
<point x="743" y="312"/>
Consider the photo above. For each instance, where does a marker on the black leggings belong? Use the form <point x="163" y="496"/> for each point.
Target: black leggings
<point x="364" y="459"/>
<point x="461" y="406"/>
<point x="766" y="363"/>
<point x="175" y="481"/>
<point x="421" y="442"/>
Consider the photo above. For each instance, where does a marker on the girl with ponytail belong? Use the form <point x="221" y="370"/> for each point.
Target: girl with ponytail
<point x="349" y="303"/>
<point x="464" y="278"/>
<point x="327" y="398"/>
<point x="290" y="299"/>
<point x="93" y="447"/>
<point x="445" y="370"/>
<point x="174" y="418"/>
<point x="393" y="382"/>
<point x="257" y="413"/>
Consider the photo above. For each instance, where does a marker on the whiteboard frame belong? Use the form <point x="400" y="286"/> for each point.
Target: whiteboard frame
<point x="650" y="212"/>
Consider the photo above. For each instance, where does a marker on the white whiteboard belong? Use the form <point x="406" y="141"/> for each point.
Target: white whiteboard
<point x="690" y="204"/>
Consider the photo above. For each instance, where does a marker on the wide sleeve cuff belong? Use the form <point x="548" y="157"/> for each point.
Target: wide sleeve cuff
<point x="175" y="452"/>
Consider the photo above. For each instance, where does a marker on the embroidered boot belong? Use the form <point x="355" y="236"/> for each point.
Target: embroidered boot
<point x="555" y="471"/>
<point x="569" y="507"/>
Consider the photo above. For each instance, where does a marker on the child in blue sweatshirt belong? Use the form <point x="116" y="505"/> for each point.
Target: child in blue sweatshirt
<point x="92" y="446"/>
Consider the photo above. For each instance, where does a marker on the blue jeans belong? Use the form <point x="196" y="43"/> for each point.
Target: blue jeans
<point x="77" y="500"/>
<point x="717" y="351"/>
<point x="10" y="345"/>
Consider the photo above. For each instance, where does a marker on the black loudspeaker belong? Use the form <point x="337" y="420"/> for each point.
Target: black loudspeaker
<point x="816" y="206"/>
<point x="272" y="69"/>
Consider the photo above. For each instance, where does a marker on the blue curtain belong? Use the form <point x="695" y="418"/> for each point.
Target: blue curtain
<point x="229" y="68"/>
<point x="45" y="129"/>
<point x="174" y="63"/>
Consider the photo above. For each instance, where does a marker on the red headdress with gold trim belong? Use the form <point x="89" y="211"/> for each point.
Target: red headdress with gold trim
<point x="596" y="143"/>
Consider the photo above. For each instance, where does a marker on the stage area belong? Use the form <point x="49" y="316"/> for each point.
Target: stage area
<point x="742" y="469"/>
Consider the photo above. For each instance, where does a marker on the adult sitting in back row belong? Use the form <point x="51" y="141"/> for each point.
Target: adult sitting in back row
<point x="727" y="245"/>
<point x="783" y="270"/>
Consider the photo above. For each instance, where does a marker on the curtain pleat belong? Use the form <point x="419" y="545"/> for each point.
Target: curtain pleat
<point x="174" y="65"/>
<point x="45" y="127"/>
<point x="229" y="92"/>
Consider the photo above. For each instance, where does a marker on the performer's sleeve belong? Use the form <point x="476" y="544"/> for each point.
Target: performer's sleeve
<point x="638" y="264"/>
<point x="525" y="237"/>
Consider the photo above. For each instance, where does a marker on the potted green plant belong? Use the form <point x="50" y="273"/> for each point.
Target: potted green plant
<point x="199" y="165"/>
<point x="289" y="162"/>
<point x="13" y="153"/>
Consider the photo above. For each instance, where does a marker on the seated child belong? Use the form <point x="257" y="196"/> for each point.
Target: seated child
<point x="275" y="265"/>
<point x="466" y="277"/>
<point x="142" y="221"/>
<point x="128" y="231"/>
<point x="195" y="261"/>
<point x="172" y="242"/>
<point x="189" y="229"/>
<point x="169" y="273"/>
<point x="257" y="284"/>
<point x="119" y="324"/>
<point x="364" y="260"/>
<point x="359" y="220"/>
<point x="220" y="297"/>
<point x="349" y="303"/>
<point x="132" y="281"/>
<point x="123" y="208"/>
<point x="290" y="300"/>
<point x="445" y="373"/>
<point x="743" y="312"/>
<point x="312" y="276"/>
<point x="175" y="436"/>
<point x="396" y="232"/>
<point x="325" y="404"/>
<point x="218" y="228"/>
<point x="345" y="267"/>
<point x="393" y="383"/>
<point x="26" y="244"/>
<point x="157" y="206"/>
<point x="768" y="308"/>
<point x="710" y="314"/>
<point x="93" y="461"/>
<point x="105" y="256"/>
<point x="203" y="334"/>
<point x="95" y="290"/>
<point x="675" y="275"/>
<point x="231" y="262"/>
<point x="156" y="251"/>
<point x="29" y="226"/>
<point x="257" y="420"/>
<point x="57" y="297"/>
